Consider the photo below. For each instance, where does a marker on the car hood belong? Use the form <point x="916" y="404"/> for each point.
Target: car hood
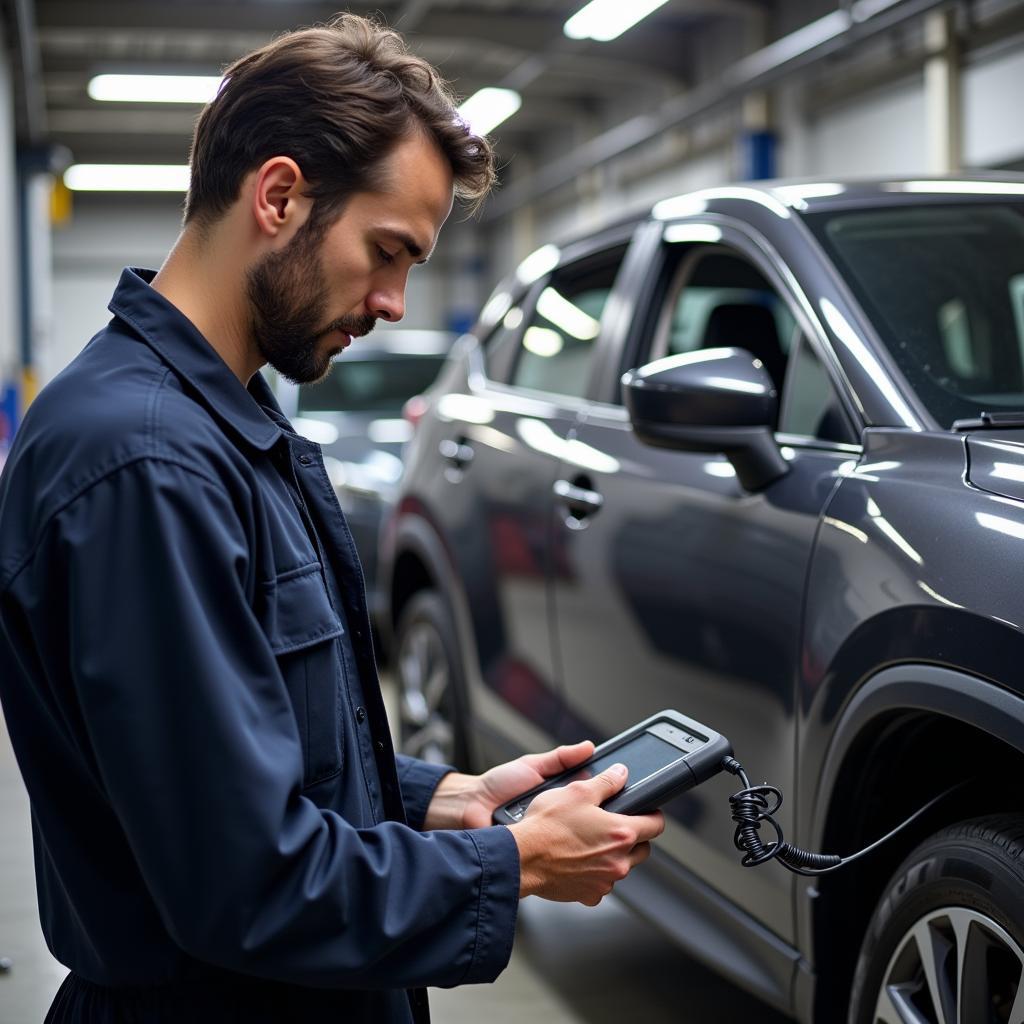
<point x="995" y="462"/>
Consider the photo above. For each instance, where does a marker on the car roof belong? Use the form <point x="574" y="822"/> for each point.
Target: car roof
<point x="812" y="195"/>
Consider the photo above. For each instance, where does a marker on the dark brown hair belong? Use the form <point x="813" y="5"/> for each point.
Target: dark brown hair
<point x="336" y="99"/>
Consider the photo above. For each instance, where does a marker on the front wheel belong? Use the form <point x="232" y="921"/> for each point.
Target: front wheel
<point x="946" y="943"/>
<point x="431" y="697"/>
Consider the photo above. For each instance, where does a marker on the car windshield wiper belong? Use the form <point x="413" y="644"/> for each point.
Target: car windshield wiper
<point x="991" y="421"/>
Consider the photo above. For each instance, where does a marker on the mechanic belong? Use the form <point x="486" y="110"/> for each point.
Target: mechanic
<point x="222" y="829"/>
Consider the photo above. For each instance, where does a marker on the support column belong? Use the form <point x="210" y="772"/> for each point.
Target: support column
<point x="943" y="92"/>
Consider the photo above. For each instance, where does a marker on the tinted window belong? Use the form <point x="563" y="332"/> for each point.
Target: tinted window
<point x="501" y="345"/>
<point x="944" y="287"/>
<point x="811" y="407"/>
<point x="556" y="347"/>
<point x="720" y="299"/>
<point x="370" y="384"/>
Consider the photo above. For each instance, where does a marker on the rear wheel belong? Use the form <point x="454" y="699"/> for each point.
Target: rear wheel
<point x="946" y="943"/>
<point x="430" y="691"/>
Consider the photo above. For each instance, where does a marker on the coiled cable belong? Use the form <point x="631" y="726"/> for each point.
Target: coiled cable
<point x="753" y="805"/>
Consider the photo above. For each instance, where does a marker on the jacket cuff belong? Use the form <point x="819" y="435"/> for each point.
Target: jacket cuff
<point x="418" y="780"/>
<point x="498" y="903"/>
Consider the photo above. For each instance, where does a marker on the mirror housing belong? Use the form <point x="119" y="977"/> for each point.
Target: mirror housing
<point x="711" y="400"/>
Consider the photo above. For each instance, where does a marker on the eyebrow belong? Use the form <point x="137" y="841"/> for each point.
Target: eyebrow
<point x="411" y="246"/>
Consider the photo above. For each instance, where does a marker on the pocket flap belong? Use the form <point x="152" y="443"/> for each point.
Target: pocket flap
<point x="298" y="612"/>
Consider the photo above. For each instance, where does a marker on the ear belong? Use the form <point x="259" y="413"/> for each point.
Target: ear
<point x="278" y="205"/>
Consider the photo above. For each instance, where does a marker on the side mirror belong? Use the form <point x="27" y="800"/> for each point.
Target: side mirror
<point x="712" y="400"/>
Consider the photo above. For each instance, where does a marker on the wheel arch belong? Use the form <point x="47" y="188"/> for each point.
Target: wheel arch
<point x="908" y="732"/>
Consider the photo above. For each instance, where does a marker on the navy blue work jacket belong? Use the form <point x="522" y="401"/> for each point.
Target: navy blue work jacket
<point x="189" y="686"/>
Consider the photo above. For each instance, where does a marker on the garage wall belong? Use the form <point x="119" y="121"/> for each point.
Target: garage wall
<point x="993" y="86"/>
<point x="879" y="133"/>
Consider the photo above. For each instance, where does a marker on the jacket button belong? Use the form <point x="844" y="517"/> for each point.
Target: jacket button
<point x="380" y="746"/>
<point x="360" y="715"/>
<point x="306" y="460"/>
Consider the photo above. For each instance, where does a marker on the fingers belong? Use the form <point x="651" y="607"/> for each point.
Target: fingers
<point x="553" y="762"/>
<point x="648" y="826"/>
<point x="639" y="854"/>
<point x="604" y="786"/>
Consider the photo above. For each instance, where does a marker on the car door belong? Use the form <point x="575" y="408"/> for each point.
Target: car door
<point x="501" y="444"/>
<point x="672" y="586"/>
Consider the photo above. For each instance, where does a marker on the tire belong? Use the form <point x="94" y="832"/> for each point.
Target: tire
<point x="431" y="694"/>
<point x="946" y="942"/>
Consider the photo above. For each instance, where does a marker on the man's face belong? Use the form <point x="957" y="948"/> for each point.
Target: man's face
<point x="329" y="285"/>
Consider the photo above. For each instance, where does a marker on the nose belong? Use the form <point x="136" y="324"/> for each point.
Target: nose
<point x="387" y="303"/>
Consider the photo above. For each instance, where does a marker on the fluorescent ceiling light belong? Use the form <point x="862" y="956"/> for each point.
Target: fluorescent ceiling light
<point x="487" y="108"/>
<point x="608" y="19"/>
<point x="154" y="88"/>
<point x="127" y="178"/>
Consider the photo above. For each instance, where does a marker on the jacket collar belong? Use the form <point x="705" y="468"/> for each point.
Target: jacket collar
<point x="176" y="340"/>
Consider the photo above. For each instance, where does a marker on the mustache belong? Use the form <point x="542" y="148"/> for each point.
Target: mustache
<point x="354" y="325"/>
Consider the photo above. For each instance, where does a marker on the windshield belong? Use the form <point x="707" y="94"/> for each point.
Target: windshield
<point x="944" y="287"/>
<point x="370" y="385"/>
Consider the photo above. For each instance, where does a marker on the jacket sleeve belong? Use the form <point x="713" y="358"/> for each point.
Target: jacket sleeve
<point x="196" y="746"/>
<point x="418" y="780"/>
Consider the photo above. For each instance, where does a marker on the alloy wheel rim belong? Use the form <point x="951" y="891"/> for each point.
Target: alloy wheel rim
<point x="425" y="680"/>
<point x="953" y="966"/>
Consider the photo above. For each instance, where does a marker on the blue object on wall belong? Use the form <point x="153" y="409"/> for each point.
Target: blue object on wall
<point x="757" y="151"/>
<point x="8" y="413"/>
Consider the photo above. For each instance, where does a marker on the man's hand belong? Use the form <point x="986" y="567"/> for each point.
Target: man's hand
<point x="570" y="850"/>
<point x="469" y="801"/>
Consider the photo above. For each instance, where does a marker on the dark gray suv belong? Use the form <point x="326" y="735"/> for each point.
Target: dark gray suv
<point x="758" y="456"/>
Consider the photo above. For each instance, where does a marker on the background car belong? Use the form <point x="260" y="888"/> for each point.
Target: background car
<point x="801" y="521"/>
<point x="355" y="414"/>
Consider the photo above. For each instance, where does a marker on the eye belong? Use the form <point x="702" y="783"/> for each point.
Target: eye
<point x="384" y="256"/>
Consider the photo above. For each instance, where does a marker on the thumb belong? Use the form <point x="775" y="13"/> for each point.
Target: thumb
<point x="608" y="783"/>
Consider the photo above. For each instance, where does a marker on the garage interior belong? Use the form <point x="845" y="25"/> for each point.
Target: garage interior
<point x="699" y="93"/>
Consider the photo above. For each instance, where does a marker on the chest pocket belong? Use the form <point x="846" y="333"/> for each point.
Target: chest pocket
<point x="303" y="630"/>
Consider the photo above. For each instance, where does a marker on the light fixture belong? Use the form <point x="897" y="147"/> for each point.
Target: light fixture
<point x="604" y="20"/>
<point x="487" y="108"/>
<point x="154" y="88"/>
<point x="127" y="178"/>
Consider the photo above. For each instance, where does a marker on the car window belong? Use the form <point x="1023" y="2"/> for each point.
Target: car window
<point x="555" y="349"/>
<point x="810" y="405"/>
<point x="944" y="288"/>
<point x="717" y="298"/>
<point x="501" y="345"/>
<point x="359" y="385"/>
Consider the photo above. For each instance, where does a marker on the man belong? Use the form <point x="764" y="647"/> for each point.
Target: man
<point x="222" y="831"/>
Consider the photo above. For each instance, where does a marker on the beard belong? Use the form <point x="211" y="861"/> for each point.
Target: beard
<point x="287" y="302"/>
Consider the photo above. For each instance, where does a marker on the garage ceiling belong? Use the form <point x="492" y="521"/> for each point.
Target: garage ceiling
<point x="516" y="43"/>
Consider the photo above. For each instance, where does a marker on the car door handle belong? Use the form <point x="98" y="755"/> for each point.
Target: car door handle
<point x="581" y="500"/>
<point x="458" y="453"/>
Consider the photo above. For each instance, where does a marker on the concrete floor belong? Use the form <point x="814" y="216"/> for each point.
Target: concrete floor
<point x="571" y="964"/>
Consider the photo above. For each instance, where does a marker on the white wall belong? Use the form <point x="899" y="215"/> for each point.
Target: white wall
<point x="993" y="89"/>
<point x="876" y="134"/>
